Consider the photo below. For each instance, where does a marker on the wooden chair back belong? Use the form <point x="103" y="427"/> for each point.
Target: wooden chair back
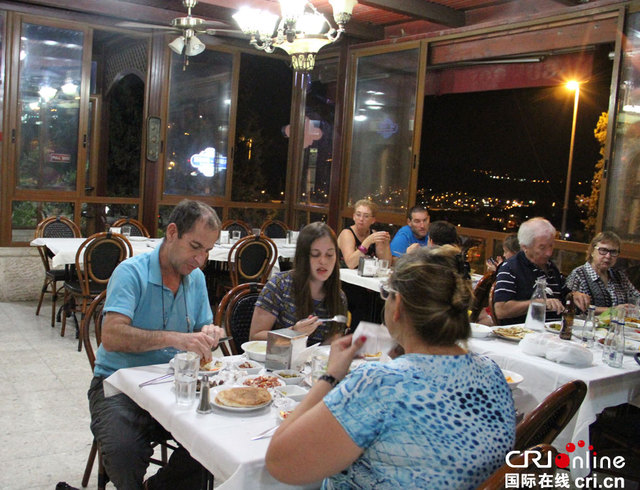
<point x="491" y="305"/>
<point x="235" y="312"/>
<point x="481" y="295"/>
<point x="543" y="424"/>
<point x="517" y="465"/>
<point x="274" y="229"/>
<point x="54" y="227"/>
<point x="251" y="259"/>
<point x="97" y="258"/>
<point x="236" y="225"/>
<point x="93" y="314"/>
<point x="137" y="228"/>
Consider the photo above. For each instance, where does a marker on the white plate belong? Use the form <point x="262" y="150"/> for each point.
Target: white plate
<point x="236" y="409"/>
<point x="372" y="358"/>
<point x="289" y="376"/>
<point x="204" y="371"/>
<point x="253" y="376"/>
<point x="479" y="331"/>
<point x="515" y="377"/>
<point x="137" y="238"/>
<point x="256" y="349"/>
<point x="547" y="327"/>
<point x="294" y="392"/>
<point x="254" y="369"/>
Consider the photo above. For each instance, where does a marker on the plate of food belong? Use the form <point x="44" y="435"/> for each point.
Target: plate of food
<point x="479" y="331"/>
<point x="513" y="379"/>
<point x="265" y="381"/>
<point x="256" y="349"/>
<point x="372" y="356"/>
<point x="511" y="333"/>
<point x="212" y="366"/>
<point x="553" y="327"/>
<point x="294" y="392"/>
<point x="631" y="347"/>
<point x="289" y="376"/>
<point x="250" y="367"/>
<point x="242" y="398"/>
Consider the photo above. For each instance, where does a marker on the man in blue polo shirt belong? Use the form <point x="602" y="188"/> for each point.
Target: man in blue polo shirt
<point x="414" y="234"/>
<point x="517" y="276"/>
<point x="156" y="305"/>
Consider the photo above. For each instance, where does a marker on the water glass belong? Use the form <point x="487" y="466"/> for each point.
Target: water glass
<point x="126" y="230"/>
<point x="235" y="236"/>
<point x="186" y="366"/>
<point x="318" y="366"/>
<point x="224" y="237"/>
<point x="383" y="268"/>
<point x="292" y="237"/>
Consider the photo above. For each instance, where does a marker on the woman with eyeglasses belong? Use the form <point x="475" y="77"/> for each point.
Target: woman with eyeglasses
<point x="358" y="240"/>
<point x="435" y="417"/>
<point x="605" y="285"/>
<point x="311" y="290"/>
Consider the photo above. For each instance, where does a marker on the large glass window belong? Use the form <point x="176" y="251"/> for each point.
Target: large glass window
<point x="622" y="208"/>
<point x="25" y="216"/>
<point x="315" y="174"/>
<point x="264" y="104"/>
<point x="198" y="124"/>
<point x="48" y="106"/>
<point x="383" y="121"/>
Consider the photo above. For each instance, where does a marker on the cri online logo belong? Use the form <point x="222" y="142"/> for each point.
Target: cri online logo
<point x="563" y="460"/>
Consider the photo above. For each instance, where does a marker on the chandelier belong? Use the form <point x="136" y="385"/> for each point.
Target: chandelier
<point x="301" y="31"/>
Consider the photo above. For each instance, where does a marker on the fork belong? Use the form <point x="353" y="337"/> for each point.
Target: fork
<point x="336" y="318"/>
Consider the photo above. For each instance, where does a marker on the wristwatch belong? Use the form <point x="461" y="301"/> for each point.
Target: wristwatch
<point x="329" y="379"/>
<point x="362" y="249"/>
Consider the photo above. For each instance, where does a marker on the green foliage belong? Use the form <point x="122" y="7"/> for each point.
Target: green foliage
<point x="589" y="204"/>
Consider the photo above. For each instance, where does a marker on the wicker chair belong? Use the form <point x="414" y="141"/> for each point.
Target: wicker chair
<point x="96" y="260"/>
<point x="137" y="228"/>
<point x="543" y="424"/>
<point x="91" y="344"/>
<point x="236" y="225"/>
<point x="54" y="227"/>
<point x="274" y="229"/>
<point x="481" y="295"/>
<point x="498" y="479"/>
<point x="251" y="259"/>
<point x="235" y="312"/>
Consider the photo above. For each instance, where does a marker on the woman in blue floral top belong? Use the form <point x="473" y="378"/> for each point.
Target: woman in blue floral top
<point x="436" y="417"/>
<point x="298" y="298"/>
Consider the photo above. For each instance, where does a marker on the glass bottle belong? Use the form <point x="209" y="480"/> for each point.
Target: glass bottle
<point x="538" y="306"/>
<point x="568" y="315"/>
<point x="589" y="327"/>
<point x="616" y="349"/>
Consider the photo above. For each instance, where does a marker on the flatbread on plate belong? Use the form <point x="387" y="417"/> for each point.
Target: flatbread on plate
<point x="243" y="397"/>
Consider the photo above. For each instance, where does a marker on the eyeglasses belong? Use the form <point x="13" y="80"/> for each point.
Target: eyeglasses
<point x="385" y="291"/>
<point x="363" y="215"/>
<point x="605" y="251"/>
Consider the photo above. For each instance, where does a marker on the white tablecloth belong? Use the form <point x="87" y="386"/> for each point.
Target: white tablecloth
<point x="220" y="441"/>
<point x="64" y="249"/>
<point x="373" y="283"/>
<point x="607" y="386"/>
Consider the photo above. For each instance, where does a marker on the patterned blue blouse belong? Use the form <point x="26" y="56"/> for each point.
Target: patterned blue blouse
<point x="442" y="422"/>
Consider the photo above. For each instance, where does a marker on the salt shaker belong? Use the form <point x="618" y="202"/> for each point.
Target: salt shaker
<point x="205" y="403"/>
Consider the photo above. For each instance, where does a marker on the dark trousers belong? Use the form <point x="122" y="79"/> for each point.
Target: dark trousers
<point x="125" y="433"/>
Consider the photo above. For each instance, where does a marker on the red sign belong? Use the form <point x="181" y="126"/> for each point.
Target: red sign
<point x="59" y="158"/>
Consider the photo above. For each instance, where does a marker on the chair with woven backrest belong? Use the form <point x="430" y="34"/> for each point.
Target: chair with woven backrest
<point x="251" y="259"/>
<point x="236" y="225"/>
<point x="274" y="229"/>
<point x="235" y="311"/>
<point x="518" y="464"/>
<point x="54" y="227"/>
<point x="543" y="424"/>
<point x="91" y="344"/>
<point x="481" y="295"/>
<point x="491" y="305"/>
<point x="96" y="260"/>
<point x="137" y="228"/>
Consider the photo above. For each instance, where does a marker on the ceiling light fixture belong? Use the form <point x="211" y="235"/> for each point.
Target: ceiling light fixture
<point x="299" y="31"/>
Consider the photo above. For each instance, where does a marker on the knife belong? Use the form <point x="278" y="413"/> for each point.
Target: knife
<point x="267" y="433"/>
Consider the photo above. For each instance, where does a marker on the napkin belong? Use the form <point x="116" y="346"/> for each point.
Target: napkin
<point x="555" y="349"/>
<point x="378" y="338"/>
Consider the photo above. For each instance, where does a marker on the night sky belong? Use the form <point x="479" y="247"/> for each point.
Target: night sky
<point x="523" y="133"/>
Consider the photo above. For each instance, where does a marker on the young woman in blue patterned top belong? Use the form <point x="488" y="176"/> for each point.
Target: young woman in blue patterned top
<point x="311" y="290"/>
<point x="436" y="417"/>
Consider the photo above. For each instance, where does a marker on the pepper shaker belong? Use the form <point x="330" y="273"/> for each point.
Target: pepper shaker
<point x="204" y="406"/>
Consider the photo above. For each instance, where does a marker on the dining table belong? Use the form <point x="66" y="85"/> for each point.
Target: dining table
<point x="221" y="440"/>
<point x="606" y="386"/>
<point x="64" y="249"/>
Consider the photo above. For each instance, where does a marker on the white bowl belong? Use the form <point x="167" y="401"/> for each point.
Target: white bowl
<point x="289" y="376"/>
<point x="256" y="349"/>
<point x="516" y="378"/>
<point x="294" y="392"/>
<point x="479" y="331"/>
<point x="254" y="369"/>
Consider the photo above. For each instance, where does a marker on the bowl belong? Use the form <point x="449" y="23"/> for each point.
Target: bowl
<point x="294" y="392"/>
<point x="289" y="376"/>
<point x="513" y="379"/>
<point x="242" y="366"/>
<point x="479" y="331"/>
<point x="256" y="349"/>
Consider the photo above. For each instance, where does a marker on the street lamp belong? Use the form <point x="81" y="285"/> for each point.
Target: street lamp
<point x="572" y="85"/>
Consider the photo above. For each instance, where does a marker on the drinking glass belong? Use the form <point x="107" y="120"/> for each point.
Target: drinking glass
<point x="318" y="366"/>
<point x="235" y="236"/>
<point x="126" y="230"/>
<point x="383" y="268"/>
<point x="185" y="367"/>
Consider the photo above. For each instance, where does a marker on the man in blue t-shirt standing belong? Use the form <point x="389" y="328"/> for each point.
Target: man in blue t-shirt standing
<point x="414" y="234"/>
<point x="156" y="305"/>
